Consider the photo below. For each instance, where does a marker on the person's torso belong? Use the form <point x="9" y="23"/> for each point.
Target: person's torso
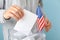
<point x="30" y="5"/>
<point x="27" y="4"/>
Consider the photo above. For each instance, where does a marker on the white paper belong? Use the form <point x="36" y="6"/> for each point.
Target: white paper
<point x="25" y="24"/>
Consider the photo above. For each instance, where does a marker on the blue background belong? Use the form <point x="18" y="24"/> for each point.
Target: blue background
<point x="1" y="32"/>
<point x="52" y="9"/>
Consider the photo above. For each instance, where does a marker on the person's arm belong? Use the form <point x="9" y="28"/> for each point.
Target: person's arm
<point x="14" y="12"/>
<point x="1" y="16"/>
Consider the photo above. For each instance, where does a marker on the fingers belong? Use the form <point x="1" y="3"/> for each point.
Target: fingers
<point x="46" y="29"/>
<point x="13" y="16"/>
<point x="48" y="26"/>
<point x="6" y="15"/>
<point x="21" y="13"/>
<point x="14" y="12"/>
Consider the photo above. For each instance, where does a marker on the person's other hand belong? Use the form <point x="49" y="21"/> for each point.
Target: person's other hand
<point x="48" y="26"/>
<point x="14" y="12"/>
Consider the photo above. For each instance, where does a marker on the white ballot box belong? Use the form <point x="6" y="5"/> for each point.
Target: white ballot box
<point x="25" y="24"/>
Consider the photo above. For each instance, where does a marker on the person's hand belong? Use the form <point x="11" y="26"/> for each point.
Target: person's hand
<point x="14" y="12"/>
<point x="48" y="26"/>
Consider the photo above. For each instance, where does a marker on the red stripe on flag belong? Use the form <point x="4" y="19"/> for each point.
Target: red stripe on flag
<point x="42" y="20"/>
<point x="42" y="26"/>
<point x="41" y="23"/>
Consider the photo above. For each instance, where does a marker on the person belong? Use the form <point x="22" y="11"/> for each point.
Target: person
<point x="10" y="18"/>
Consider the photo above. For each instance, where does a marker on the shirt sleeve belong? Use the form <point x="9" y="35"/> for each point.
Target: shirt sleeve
<point x="21" y="3"/>
<point x="1" y="16"/>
